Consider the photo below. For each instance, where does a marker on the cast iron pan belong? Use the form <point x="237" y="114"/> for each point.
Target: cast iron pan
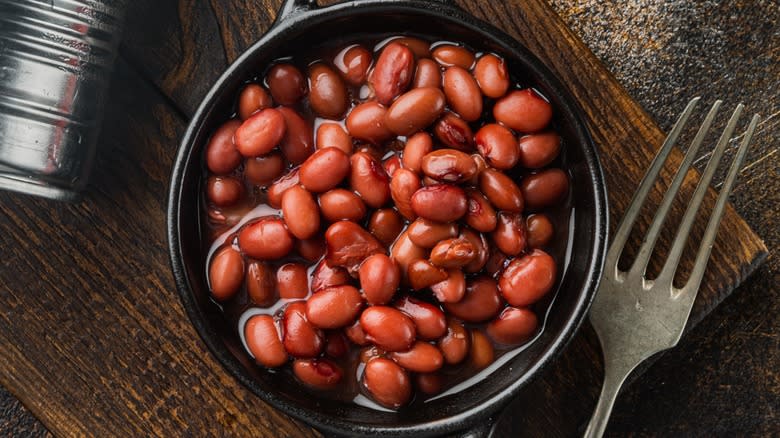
<point x="300" y="25"/>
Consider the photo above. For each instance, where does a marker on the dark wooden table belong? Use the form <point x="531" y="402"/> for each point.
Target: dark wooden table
<point x="721" y="380"/>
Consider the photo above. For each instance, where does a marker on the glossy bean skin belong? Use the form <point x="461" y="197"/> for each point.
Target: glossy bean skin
<point x="492" y="76"/>
<point x="453" y="253"/>
<point x="311" y="249"/>
<point x="264" y="169"/>
<point x="326" y="276"/>
<point x="426" y="233"/>
<point x="523" y="110"/>
<point x="510" y="233"/>
<point x="265" y="239"/>
<point x="527" y="279"/>
<point x="286" y="84"/>
<point x="334" y="307"/>
<point x="324" y="170"/>
<point x="260" y="133"/>
<point x="391" y="164"/>
<point x="421" y="358"/>
<point x="366" y="122"/>
<point x="449" y="55"/>
<point x="333" y="135"/>
<point x="280" y="185"/>
<point x="440" y="203"/>
<point x="392" y="72"/>
<point x="301" y="213"/>
<point x="318" y="373"/>
<point x="341" y="204"/>
<point x="298" y="141"/>
<point x="481" y="303"/>
<point x="455" y="344"/>
<point x="481" y="353"/>
<point x="226" y="273"/>
<point x="414" y="110"/>
<point x="538" y="150"/>
<point x="422" y="274"/>
<point x="501" y="191"/>
<point x="514" y="326"/>
<point x="368" y="178"/>
<point x="449" y="165"/>
<point x="224" y="191"/>
<point x="379" y="278"/>
<point x="356" y="335"/>
<point x="387" y="383"/>
<point x="300" y="337"/>
<point x="428" y="383"/>
<point x="480" y="214"/>
<point x="417" y="146"/>
<point x="222" y="156"/>
<point x="428" y="74"/>
<point x="420" y="48"/>
<point x="544" y="189"/>
<point x="253" y="98"/>
<point x="454" y="132"/>
<point x="292" y="281"/>
<point x="463" y="93"/>
<point x="336" y="344"/>
<point x="260" y="284"/>
<point x="327" y="92"/>
<point x="353" y="63"/>
<point x="263" y="341"/>
<point x="349" y="244"/>
<point x="405" y="252"/>
<point x="386" y="224"/>
<point x="388" y="328"/>
<point x="452" y="289"/>
<point x="496" y="262"/>
<point x="403" y="185"/>
<point x="481" y="247"/>
<point x="498" y="145"/>
<point x="429" y="320"/>
<point x="540" y="230"/>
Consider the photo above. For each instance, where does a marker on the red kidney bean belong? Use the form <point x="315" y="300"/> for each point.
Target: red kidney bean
<point x="334" y="307"/>
<point x="440" y="203"/>
<point x="356" y="335"/>
<point x="253" y="98"/>
<point x="513" y="326"/>
<point x="265" y="239"/>
<point x="454" y="132"/>
<point x="453" y="253"/>
<point x="349" y="244"/>
<point x="540" y="230"/>
<point x="226" y="273"/>
<point x="481" y="302"/>
<point x="523" y="110"/>
<point x="428" y="74"/>
<point x="341" y="204"/>
<point x="403" y="185"/>
<point x="324" y="170"/>
<point x="481" y="164"/>
<point x="422" y="274"/>
<point x="492" y="76"/>
<point x="292" y="281"/>
<point x="372" y="151"/>
<point x="262" y="340"/>
<point x="501" y="191"/>
<point x="392" y="73"/>
<point x="301" y="338"/>
<point x="510" y="234"/>
<point x="404" y="252"/>
<point x="311" y="249"/>
<point x="417" y="146"/>
<point x="482" y="353"/>
<point x="298" y="142"/>
<point x="336" y="344"/>
<point x="386" y="224"/>
<point x="277" y="189"/>
<point x="333" y="135"/>
<point x="455" y="344"/>
<point x="421" y="358"/>
<point x="370" y="352"/>
<point x="420" y="48"/>
<point x="391" y="164"/>
<point x="538" y="150"/>
<point x="387" y="383"/>
<point x="527" y="279"/>
<point x="260" y="133"/>
<point x="498" y="145"/>
<point x="353" y="63"/>
<point x="428" y="383"/>
<point x="262" y="170"/>
<point x="286" y="83"/>
<point x="327" y="92"/>
<point x="429" y="320"/>
<point x="449" y="55"/>
<point x="463" y="94"/>
<point x="544" y="189"/>
<point x="388" y="328"/>
<point x="367" y="122"/>
<point x="452" y="289"/>
<point x="496" y="262"/>
<point x="260" y="284"/>
<point x="379" y="278"/>
<point x="369" y="180"/>
<point x="222" y="156"/>
<point x="325" y="276"/>
<point x="426" y="233"/>
<point x="318" y="373"/>
<point x="415" y="110"/>
<point x="480" y="214"/>
<point x="449" y="165"/>
<point x="481" y="246"/>
<point x="224" y="191"/>
<point x="301" y="213"/>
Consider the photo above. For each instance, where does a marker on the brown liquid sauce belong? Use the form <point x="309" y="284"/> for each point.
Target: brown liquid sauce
<point x="220" y="226"/>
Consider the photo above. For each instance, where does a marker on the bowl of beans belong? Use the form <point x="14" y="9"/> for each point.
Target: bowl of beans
<point x="386" y="217"/>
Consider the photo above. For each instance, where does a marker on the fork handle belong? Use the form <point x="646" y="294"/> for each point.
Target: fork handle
<point x="614" y="376"/>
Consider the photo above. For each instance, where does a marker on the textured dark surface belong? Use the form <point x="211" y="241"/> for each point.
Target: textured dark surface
<point x="722" y="379"/>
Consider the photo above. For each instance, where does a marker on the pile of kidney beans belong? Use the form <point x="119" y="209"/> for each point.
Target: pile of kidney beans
<point x="360" y="206"/>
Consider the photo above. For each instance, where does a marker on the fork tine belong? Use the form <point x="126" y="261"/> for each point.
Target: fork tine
<point x="624" y="229"/>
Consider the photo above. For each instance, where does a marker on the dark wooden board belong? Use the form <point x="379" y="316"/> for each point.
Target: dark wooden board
<point x="94" y="340"/>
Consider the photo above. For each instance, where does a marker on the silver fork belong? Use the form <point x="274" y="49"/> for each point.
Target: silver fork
<point x="636" y="317"/>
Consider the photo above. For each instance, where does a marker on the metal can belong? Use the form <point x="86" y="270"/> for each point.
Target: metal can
<point x="56" y="57"/>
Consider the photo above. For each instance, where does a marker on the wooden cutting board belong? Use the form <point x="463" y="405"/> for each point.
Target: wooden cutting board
<point x="93" y="339"/>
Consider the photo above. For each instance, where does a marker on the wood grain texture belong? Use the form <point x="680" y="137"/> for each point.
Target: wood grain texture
<point x="94" y="340"/>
